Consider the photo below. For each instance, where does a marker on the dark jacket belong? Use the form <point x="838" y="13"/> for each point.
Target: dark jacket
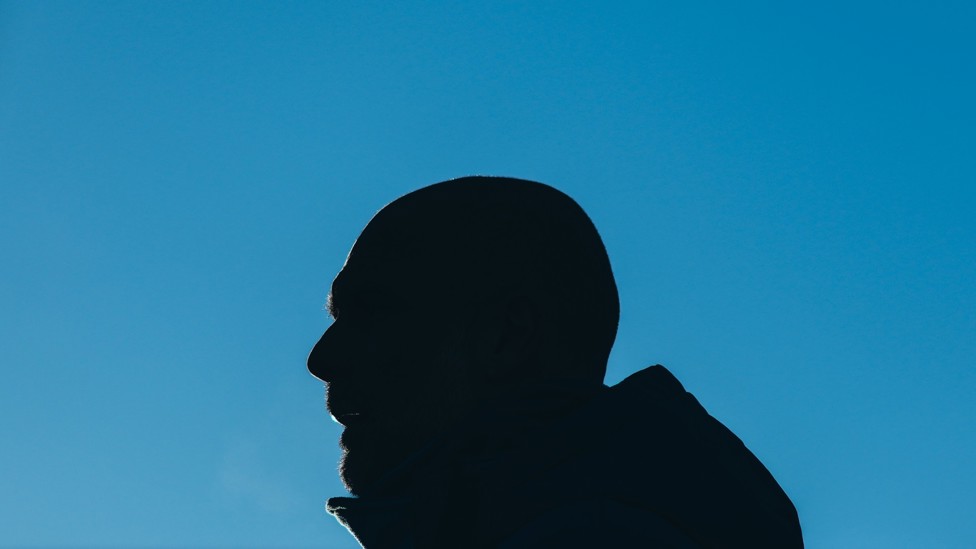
<point x="640" y="464"/>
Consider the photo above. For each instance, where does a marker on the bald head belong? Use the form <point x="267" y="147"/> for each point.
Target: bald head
<point x="505" y="240"/>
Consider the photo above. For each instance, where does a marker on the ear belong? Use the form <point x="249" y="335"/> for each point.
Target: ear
<point x="513" y="338"/>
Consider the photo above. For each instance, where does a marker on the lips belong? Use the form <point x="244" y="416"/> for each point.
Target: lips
<point x="349" y="418"/>
<point x="344" y="409"/>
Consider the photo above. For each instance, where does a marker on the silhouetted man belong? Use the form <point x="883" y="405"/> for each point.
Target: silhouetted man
<point x="473" y="321"/>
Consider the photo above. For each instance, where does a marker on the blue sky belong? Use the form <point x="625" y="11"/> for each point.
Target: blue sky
<point x="787" y="194"/>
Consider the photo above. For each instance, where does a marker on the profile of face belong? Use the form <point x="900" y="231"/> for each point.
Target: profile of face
<point x="452" y="296"/>
<point x="396" y="361"/>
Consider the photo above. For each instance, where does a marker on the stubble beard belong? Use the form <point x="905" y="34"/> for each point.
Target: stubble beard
<point x="447" y="397"/>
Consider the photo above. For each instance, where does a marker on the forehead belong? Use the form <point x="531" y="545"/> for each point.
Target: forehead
<point x="397" y="244"/>
<point x="415" y="248"/>
<point x="374" y="270"/>
<point x="370" y="281"/>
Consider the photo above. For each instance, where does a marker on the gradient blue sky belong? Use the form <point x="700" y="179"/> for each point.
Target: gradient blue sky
<point x="787" y="194"/>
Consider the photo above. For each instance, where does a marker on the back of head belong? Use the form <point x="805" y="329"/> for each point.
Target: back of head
<point x="511" y="240"/>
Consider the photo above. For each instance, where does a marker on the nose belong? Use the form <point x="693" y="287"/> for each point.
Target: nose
<point x="317" y="361"/>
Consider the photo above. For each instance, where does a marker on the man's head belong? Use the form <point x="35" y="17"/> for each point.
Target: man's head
<point x="453" y="295"/>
